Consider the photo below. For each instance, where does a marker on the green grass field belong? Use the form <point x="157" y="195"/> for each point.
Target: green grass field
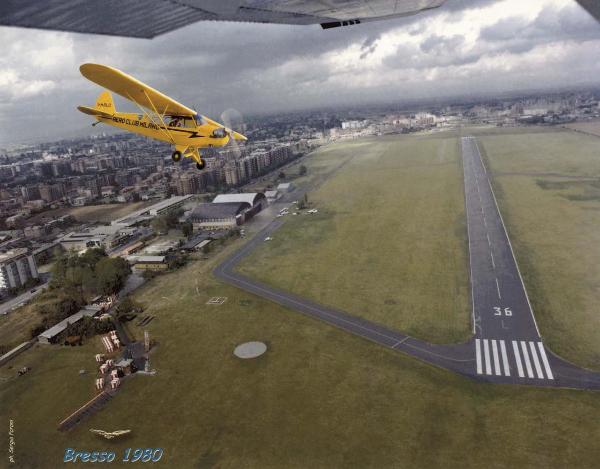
<point x="548" y="188"/>
<point x="318" y="398"/>
<point x="389" y="241"/>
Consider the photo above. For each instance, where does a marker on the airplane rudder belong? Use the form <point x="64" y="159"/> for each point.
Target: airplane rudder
<point x="105" y="102"/>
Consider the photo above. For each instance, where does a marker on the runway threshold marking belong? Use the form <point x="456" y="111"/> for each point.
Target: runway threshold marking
<point x="478" y="356"/>
<point x="518" y="359"/>
<point x="499" y="361"/>
<point x="536" y="361"/>
<point x="496" y="359"/>
<point x="545" y="361"/>
<point x="486" y="352"/>
<point x="526" y="358"/>
<point x="504" y="358"/>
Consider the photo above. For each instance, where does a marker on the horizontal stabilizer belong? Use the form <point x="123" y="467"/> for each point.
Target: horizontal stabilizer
<point x="92" y="111"/>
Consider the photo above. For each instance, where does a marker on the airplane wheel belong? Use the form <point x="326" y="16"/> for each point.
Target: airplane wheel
<point x="201" y="165"/>
<point x="176" y="156"/>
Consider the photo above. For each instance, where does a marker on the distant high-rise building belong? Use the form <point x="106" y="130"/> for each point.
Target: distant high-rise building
<point x="16" y="268"/>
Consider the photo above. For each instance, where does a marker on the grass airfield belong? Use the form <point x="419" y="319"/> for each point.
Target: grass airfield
<point x="319" y="397"/>
<point x="389" y="241"/>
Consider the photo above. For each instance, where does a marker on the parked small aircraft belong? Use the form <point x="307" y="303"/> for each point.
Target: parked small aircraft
<point x="160" y="117"/>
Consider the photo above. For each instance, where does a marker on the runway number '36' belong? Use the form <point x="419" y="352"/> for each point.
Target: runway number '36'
<point x="499" y="311"/>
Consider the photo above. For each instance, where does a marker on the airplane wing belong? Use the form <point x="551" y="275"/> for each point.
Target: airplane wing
<point x="149" y="18"/>
<point x="134" y="90"/>
<point x="592" y="6"/>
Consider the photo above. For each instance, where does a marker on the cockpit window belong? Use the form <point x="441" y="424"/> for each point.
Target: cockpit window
<point x="219" y="133"/>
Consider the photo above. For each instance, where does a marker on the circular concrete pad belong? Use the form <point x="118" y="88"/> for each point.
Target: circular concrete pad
<point x="250" y="350"/>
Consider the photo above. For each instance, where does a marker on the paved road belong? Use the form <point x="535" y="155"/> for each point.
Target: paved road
<point x="24" y="298"/>
<point x="506" y="347"/>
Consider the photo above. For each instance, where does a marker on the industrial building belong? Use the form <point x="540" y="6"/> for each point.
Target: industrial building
<point x="16" y="268"/>
<point x="227" y="211"/>
<point x="50" y="336"/>
<point x="150" y="263"/>
<point x="148" y="213"/>
<point x="219" y="216"/>
<point x="257" y="200"/>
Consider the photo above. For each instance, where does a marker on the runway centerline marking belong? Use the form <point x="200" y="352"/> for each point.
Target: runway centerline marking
<point x="492" y="256"/>
<point x="498" y="288"/>
<point x="487" y="235"/>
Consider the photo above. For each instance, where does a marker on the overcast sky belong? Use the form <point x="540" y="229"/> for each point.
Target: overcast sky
<point x="478" y="46"/>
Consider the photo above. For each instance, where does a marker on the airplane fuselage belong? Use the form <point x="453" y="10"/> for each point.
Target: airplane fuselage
<point x="193" y="136"/>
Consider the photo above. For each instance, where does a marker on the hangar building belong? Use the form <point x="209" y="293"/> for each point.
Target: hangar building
<point x="219" y="216"/>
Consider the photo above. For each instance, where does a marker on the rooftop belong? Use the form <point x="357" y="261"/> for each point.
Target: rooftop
<point x="248" y="197"/>
<point x="219" y="210"/>
<point x="12" y="254"/>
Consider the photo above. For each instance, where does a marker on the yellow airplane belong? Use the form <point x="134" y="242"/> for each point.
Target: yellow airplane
<point x="161" y="117"/>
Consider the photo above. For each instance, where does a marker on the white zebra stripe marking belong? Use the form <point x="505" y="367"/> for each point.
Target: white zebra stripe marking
<point x="478" y="356"/>
<point x="545" y="361"/>
<point x="526" y="357"/>
<point x="498" y="372"/>
<point x="518" y="359"/>
<point x="486" y="353"/>
<point x="504" y="358"/>
<point x="536" y="361"/>
<point x="495" y="360"/>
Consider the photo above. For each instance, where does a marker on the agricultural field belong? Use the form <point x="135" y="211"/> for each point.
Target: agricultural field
<point x="389" y="240"/>
<point x="319" y="397"/>
<point x="548" y="189"/>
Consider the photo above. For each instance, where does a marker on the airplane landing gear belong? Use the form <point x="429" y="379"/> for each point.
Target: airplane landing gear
<point x="201" y="165"/>
<point x="176" y="156"/>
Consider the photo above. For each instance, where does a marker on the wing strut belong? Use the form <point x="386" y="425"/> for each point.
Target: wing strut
<point x="164" y="131"/>
<point x="159" y="116"/>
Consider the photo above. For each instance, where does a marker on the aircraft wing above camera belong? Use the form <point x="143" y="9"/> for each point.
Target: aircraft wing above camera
<point x="150" y="18"/>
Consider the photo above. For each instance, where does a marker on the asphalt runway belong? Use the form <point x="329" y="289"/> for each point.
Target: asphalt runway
<point x="506" y="346"/>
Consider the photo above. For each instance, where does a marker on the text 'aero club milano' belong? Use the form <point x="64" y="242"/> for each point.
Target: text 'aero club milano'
<point x="161" y="118"/>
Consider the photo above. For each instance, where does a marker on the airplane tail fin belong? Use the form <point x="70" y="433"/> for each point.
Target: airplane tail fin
<point x="105" y="103"/>
<point x="105" y="106"/>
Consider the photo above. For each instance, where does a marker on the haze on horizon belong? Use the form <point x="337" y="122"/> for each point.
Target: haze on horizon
<point x="466" y="47"/>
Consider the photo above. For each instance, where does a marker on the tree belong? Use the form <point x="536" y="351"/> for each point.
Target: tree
<point x="160" y="225"/>
<point x="303" y="170"/>
<point x="281" y="175"/>
<point x="111" y="274"/>
<point x="187" y="229"/>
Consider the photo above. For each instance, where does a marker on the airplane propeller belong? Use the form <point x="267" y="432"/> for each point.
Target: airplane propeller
<point x="233" y="118"/>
